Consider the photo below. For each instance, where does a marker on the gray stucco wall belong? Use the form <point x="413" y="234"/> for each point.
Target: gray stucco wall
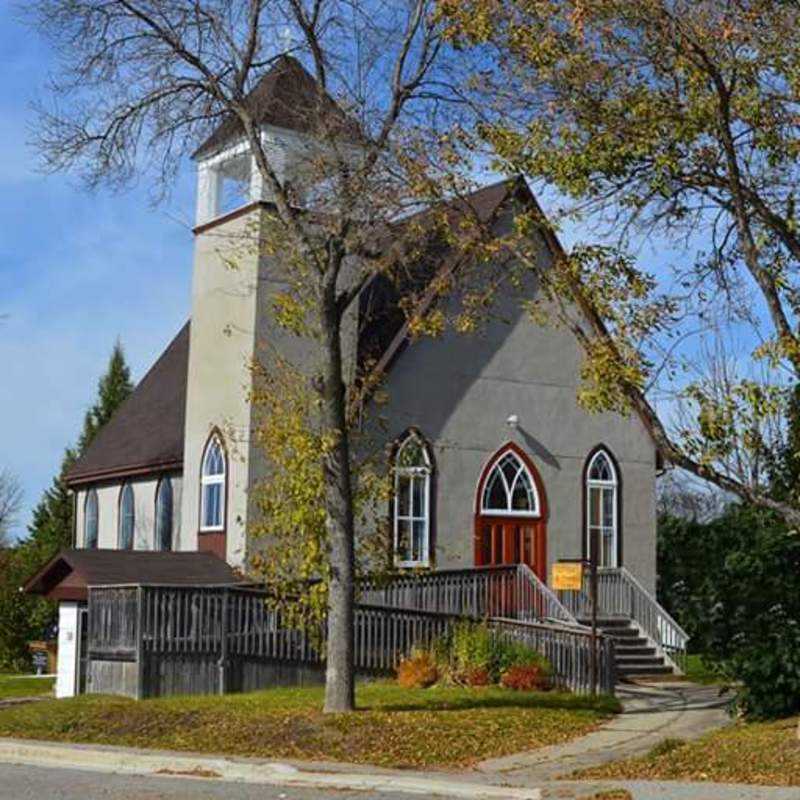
<point x="144" y="500"/>
<point x="460" y="390"/>
<point x="223" y="334"/>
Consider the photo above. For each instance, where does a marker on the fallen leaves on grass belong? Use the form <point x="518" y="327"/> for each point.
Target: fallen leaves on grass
<point x="759" y="753"/>
<point x="394" y="727"/>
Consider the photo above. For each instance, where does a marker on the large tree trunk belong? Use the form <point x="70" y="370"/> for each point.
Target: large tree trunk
<point x="339" y="677"/>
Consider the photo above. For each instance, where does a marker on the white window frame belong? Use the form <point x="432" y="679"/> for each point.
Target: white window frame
<point x="521" y="468"/>
<point x="603" y="485"/>
<point x="416" y="472"/>
<point x="91" y="493"/>
<point x="208" y="480"/>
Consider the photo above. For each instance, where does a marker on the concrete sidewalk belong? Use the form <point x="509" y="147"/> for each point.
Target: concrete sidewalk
<point x="329" y="779"/>
<point x="162" y="763"/>
<point x="652" y="713"/>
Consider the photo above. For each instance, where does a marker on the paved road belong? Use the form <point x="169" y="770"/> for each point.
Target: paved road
<point x="37" y="783"/>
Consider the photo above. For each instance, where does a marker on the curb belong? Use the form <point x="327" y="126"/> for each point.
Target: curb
<point x="138" y="762"/>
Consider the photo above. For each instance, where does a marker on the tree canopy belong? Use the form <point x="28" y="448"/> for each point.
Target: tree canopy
<point x="672" y="121"/>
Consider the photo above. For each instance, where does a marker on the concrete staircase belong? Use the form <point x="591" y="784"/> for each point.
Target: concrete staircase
<point x="636" y="656"/>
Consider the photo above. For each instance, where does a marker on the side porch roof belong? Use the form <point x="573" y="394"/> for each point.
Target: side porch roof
<point x="68" y="575"/>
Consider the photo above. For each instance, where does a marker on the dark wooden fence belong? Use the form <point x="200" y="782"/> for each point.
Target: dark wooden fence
<point x="569" y="650"/>
<point x="148" y="641"/>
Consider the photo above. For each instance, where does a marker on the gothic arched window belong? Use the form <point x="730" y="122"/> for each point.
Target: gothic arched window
<point x="126" y="518"/>
<point x="412" y="502"/>
<point x="510" y="489"/>
<point x="602" y="515"/>
<point x="213" y="486"/>
<point x="90" y="520"/>
<point x="164" y="511"/>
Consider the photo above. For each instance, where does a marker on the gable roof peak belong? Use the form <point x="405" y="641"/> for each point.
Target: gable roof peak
<point x="286" y="96"/>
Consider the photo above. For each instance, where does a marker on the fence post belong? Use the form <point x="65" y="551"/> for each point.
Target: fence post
<point x="140" y="657"/>
<point x="223" y="652"/>
<point x="633" y="602"/>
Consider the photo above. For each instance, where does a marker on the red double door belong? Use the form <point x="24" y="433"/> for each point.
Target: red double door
<point x="511" y="540"/>
<point x="511" y="512"/>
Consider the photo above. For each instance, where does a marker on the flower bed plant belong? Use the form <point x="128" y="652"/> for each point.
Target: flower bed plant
<point x="474" y="655"/>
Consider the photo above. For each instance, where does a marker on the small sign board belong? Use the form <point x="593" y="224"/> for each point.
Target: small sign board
<point x="39" y="659"/>
<point x="567" y="576"/>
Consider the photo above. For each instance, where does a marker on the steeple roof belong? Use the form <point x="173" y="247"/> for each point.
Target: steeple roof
<point x="287" y="96"/>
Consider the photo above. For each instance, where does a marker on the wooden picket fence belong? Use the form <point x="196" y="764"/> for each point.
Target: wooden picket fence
<point x="146" y="641"/>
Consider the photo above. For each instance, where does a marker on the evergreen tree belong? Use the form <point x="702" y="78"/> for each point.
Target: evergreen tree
<point x="113" y="389"/>
<point x="23" y="617"/>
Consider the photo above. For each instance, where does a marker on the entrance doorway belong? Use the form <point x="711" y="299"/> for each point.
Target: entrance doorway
<point x="511" y="513"/>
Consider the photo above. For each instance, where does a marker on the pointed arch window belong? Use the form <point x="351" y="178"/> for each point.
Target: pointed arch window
<point x="164" y="512"/>
<point x="127" y="518"/>
<point x="412" y="496"/>
<point x="602" y="504"/>
<point x="510" y="489"/>
<point x="90" y="520"/>
<point x="213" y="476"/>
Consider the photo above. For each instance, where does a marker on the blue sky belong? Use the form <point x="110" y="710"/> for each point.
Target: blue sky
<point x="77" y="270"/>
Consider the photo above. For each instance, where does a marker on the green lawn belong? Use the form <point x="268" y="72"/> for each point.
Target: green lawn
<point x="761" y="753"/>
<point x="438" y="727"/>
<point x="24" y="686"/>
<point x="699" y="672"/>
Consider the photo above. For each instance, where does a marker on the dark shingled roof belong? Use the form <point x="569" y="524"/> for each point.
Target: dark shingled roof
<point x="384" y="328"/>
<point x="146" y="432"/>
<point x="66" y="576"/>
<point x="286" y="97"/>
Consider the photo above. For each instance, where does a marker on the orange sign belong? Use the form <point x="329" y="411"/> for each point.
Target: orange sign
<point x="567" y="576"/>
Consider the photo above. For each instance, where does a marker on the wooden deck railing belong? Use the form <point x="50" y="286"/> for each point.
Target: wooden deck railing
<point x="513" y="591"/>
<point x="569" y="650"/>
<point x="218" y="628"/>
<point x="619" y="593"/>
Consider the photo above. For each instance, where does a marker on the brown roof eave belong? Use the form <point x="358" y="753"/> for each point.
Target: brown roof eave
<point x="30" y="586"/>
<point x="125" y="472"/>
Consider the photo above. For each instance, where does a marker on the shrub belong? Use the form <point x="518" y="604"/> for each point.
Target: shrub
<point x="525" y="678"/>
<point x="475" y="676"/>
<point x="512" y="653"/>
<point x="471" y="647"/>
<point x="474" y="655"/>
<point x="418" y="671"/>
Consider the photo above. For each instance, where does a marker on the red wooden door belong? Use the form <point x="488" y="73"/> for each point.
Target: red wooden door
<point x="510" y="540"/>
<point x="511" y="512"/>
